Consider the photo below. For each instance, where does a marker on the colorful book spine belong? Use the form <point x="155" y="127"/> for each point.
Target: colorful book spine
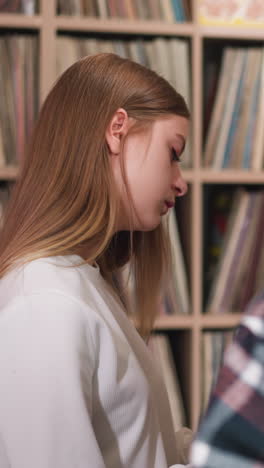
<point x="235" y="13"/>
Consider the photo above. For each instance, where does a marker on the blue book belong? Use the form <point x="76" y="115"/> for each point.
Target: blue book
<point x="178" y="9"/>
<point x="235" y="116"/>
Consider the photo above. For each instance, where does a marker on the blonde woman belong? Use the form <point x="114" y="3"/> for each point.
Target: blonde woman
<point x="78" y="387"/>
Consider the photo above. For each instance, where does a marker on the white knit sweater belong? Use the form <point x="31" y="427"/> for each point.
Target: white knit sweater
<point x="78" y="386"/>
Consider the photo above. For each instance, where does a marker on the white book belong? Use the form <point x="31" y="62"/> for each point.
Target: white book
<point x="150" y="52"/>
<point x="29" y="7"/>
<point x="106" y="46"/>
<point x="178" y="266"/>
<point x="134" y="53"/>
<point x="102" y="8"/>
<point x="162" y="58"/>
<point x="63" y="61"/>
<point x="78" y="11"/>
<point x="91" y="46"/>
<point x="167" y="11"/>
<point x="178" y="50"/>
<point x="207" y="356"/>
<point x="120" y="48"/>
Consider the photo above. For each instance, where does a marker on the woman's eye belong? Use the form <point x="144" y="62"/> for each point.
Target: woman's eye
<point x="174" y="156"/>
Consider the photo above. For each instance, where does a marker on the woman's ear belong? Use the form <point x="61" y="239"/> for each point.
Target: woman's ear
<point x="117" y="129"/>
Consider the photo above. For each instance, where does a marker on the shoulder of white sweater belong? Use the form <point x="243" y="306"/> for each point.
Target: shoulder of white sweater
<point x="55" y="291"/>
<point x="57" y="274"/>
<point x="52" y="322"/>
<point x="61" y="294"/>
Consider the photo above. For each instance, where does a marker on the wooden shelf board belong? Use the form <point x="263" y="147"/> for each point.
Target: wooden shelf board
<point x="181" y="322"/>
<point x="220" y="321"/>
<point x="174" y="322"/>
<point x="237" y="32"/>
<point x="10" y="20"/>
<point x="8" y="173"/>
<point x="232" y="176"/>
<point x="123" y="26"/>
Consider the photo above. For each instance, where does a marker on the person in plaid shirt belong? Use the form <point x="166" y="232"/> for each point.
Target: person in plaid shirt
<point x="231" y="434"/>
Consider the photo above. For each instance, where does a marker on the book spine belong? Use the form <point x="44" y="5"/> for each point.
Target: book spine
<point x="258" y="147"/>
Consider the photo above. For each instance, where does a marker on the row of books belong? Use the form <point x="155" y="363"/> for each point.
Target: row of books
<point x="160" y="347"/>
<point x="19" y="60"/>
<point x="18" y="105"/>
<point x="235" y="136"/>
<point x="240" y="271"/>
<point x="27" y="7"/>
<point x="161" y="10"/>
<point x="238" y="227"/>
<point x="235" y="12"/>
<point x="213" y="345"/>
<point x="169" y="57"/>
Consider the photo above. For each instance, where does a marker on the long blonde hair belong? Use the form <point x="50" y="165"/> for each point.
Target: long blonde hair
<point x="65" y="196"/>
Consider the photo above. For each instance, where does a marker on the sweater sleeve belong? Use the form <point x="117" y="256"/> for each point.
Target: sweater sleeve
<point x="46" y="390"/>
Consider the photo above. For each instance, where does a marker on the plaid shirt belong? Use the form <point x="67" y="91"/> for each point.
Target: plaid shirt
<point x="231" y="434"/>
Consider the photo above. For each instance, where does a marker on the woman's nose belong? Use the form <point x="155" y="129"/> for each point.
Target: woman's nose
<point x="179" y="185"/>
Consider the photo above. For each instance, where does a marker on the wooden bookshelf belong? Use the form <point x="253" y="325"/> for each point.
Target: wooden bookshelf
<point x="174" y="322"/>
<point x="19" y="21"/>
<point x="47" y="25"/>
<point x="123" y="26"/>
<point x="8" y="173"/>
<point x="251" y="33"/>
<point x="227" y="176"/>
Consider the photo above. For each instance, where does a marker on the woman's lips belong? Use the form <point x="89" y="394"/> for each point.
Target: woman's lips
<point x="169" y="204"/>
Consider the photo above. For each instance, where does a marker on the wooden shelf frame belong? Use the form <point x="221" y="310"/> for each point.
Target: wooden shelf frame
<point x="205" y="321"/>
<point x="123" y="26"/>
<point x="47" y="25"/>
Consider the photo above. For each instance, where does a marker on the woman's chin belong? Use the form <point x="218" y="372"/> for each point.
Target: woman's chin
<point x="145" y="224"/>
<point x="150" y="224"/>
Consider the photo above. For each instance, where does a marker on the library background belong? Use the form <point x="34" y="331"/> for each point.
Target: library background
<point x="215" y="58"/>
